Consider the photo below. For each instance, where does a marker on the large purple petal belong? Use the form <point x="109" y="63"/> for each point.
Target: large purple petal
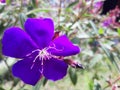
<point x="41" y="30"/>
<point x="62" y="46"/>
<point x="16" y="43"/>
<point x="54" y="69"/>
<point x="26" y="71"/>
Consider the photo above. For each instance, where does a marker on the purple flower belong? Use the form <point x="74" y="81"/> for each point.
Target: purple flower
<point x="97" y="7"/>
<point x="98" y="4"/>
<point x="107" y="22"/>
<point x="39" y="54"/>
<point x="3" y="1"/>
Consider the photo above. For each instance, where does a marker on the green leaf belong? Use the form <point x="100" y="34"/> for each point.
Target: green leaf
<point x="75" y="40"/>
<point x="101" y="31"/>
<point x="45" y="81"/>
<point x="86" y="15"/>
<point x="94" y="27"/>
<point x="73" y="76"/>
<point x="1" y="9"/>
<point x="118" y="30"/>
<point x="22" y="19"/>
<point x="91" y="84"/>
<point x="38" y="10"/>
<point x="38" y="85"/>
<point x="34" y="3"/>
<point x="73" y="3"/>
<point x="110" y="56"/>
<point x="97" y="86"/>
<point x="2" y="88"/>
<point x="8" y="1"/>
<point x="16" y="81"/>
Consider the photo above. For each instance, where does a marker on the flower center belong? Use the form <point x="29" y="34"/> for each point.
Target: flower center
<point x="43" y="55"/>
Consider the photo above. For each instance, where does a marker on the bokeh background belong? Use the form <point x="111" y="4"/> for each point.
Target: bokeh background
<point x="93" y="25"/>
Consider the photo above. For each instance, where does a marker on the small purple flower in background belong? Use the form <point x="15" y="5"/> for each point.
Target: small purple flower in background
<point x="2" y="1"/>
<point x="107" y="22"/>
<point x="113" y="18"/>
<point x="38" y="52"/>
<point x="97" y="6"/>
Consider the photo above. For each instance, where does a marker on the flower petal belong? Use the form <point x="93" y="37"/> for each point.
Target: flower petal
<point x="41" y="30"/>
<point x="22" y="69"/>
<point x="62" y="46"/>
<point x="54" y="69"/>
<point x="16" y="43"/>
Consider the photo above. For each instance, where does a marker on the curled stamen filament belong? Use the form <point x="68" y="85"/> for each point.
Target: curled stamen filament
<point x="54" y="47"/>
<point x="33" y="52"/>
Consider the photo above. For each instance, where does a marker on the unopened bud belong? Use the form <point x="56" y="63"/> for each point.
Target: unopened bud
<point x="56" y="35"/>
<point x="74" y="64"/>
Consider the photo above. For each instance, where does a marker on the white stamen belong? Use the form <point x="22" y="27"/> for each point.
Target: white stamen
<point x="43" y="55"/>
<point x="32" y="52"/>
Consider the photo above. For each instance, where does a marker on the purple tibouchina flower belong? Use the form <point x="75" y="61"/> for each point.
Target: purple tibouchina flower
<point x="38" y="52"/>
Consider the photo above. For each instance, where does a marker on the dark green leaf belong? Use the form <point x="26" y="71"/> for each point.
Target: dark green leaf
<point x="38" y="85"/>
<point x="73" y="3"/>
<point x="97" y="86"/>
<point x="45" y="81"/>
<point x="22" y="19"/>
<point x="34" y="3"/>
<point x="76" y="40"/>
<point x="73" y="76"/>
<point x="1" y="88"/>
<point x="16" y="81"/>
<point x="1" y="9"/>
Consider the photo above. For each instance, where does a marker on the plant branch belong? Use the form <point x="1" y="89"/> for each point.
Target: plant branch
<point x="101" y="37"/>
<point x="112" y="83"/>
